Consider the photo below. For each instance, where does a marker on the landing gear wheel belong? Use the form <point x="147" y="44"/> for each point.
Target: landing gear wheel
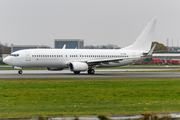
<point x="20" y="71"/>
<point x="76" y="72"/>
<point x="91" y="71"/>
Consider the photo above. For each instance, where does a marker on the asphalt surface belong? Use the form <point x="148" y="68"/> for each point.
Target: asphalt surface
<point x="43" y="74"/>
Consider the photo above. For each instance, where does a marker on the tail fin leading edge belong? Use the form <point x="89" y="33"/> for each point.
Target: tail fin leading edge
<point x="144" y="41"/>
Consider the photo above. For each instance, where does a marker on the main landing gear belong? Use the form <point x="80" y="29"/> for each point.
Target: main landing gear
<point x="20" y="71"/>
<point x="76" y="72"/>
<point x="91" y="71"/>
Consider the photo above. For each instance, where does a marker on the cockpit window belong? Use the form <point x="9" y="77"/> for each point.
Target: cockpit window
<point x="15" y="55"/>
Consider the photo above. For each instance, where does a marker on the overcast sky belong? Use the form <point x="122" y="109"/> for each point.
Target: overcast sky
<point x="98" y="22"/>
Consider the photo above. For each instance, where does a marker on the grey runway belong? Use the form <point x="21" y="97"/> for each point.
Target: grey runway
<point x="66" y="74"/>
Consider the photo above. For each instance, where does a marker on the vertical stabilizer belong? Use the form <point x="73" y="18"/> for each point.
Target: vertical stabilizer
<point x="144" y="41"/>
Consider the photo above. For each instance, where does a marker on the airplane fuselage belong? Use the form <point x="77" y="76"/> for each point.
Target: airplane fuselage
<point x="59" y="58"/>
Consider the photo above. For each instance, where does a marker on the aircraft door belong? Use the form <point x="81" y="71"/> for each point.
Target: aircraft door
<point x="28" y="56"/>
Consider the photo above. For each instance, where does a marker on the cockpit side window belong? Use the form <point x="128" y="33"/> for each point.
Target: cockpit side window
<point x="15" y="55"/>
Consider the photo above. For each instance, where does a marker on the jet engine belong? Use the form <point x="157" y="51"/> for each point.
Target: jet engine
<point x="78" y="66"/>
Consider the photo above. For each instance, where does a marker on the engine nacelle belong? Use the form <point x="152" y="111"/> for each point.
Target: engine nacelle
<point x="78" y="66"/>
<point x="54" y="69"/>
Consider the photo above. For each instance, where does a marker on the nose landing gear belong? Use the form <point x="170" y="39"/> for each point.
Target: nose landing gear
<point x="19" y="68"/>
<point x="20" y="71"/>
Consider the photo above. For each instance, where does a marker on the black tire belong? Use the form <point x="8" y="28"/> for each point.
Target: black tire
<point x="20" y="71"/>
<point x="91" y="71"/>
<point x="76" y="72"/>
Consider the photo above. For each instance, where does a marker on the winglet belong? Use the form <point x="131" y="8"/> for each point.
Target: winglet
<point x="64" y="47"/>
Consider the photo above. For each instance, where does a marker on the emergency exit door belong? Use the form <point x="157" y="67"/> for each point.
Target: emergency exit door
<point x="28" y="56"/>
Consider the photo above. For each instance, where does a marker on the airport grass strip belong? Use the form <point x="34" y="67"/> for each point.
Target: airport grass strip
<point x="6" y="67"/>
<point x="10" y="68"/>
<point x="138" y="71"/>
<point x="60" y="97"/>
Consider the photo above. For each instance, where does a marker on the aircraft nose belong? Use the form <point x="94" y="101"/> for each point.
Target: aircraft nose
<point x="6" y="60"/>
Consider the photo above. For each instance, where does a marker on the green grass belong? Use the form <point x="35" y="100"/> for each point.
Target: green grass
<point x="59" y="97"/>
<point x="139" y="71"/>
<point x="6" y="67"/>
<point x="10" y="68"/>
<point x="145" y="67"/>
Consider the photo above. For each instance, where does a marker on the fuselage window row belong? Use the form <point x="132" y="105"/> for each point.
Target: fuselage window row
<point x="110" y="56"/>
<point x="47" y="55"/>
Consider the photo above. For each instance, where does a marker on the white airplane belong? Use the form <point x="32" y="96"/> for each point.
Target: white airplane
<point x="78" y="60"/>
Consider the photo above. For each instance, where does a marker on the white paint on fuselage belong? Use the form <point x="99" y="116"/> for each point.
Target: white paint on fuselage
<point x="40" y="58"/>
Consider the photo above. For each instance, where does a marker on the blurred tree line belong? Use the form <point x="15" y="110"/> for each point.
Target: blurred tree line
<point x="109" y="46"/>
<point x="5" y="49"/>
<point x="160" y="48"/>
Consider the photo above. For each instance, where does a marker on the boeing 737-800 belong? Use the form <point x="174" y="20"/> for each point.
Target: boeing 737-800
<point x="78" y="60"/>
